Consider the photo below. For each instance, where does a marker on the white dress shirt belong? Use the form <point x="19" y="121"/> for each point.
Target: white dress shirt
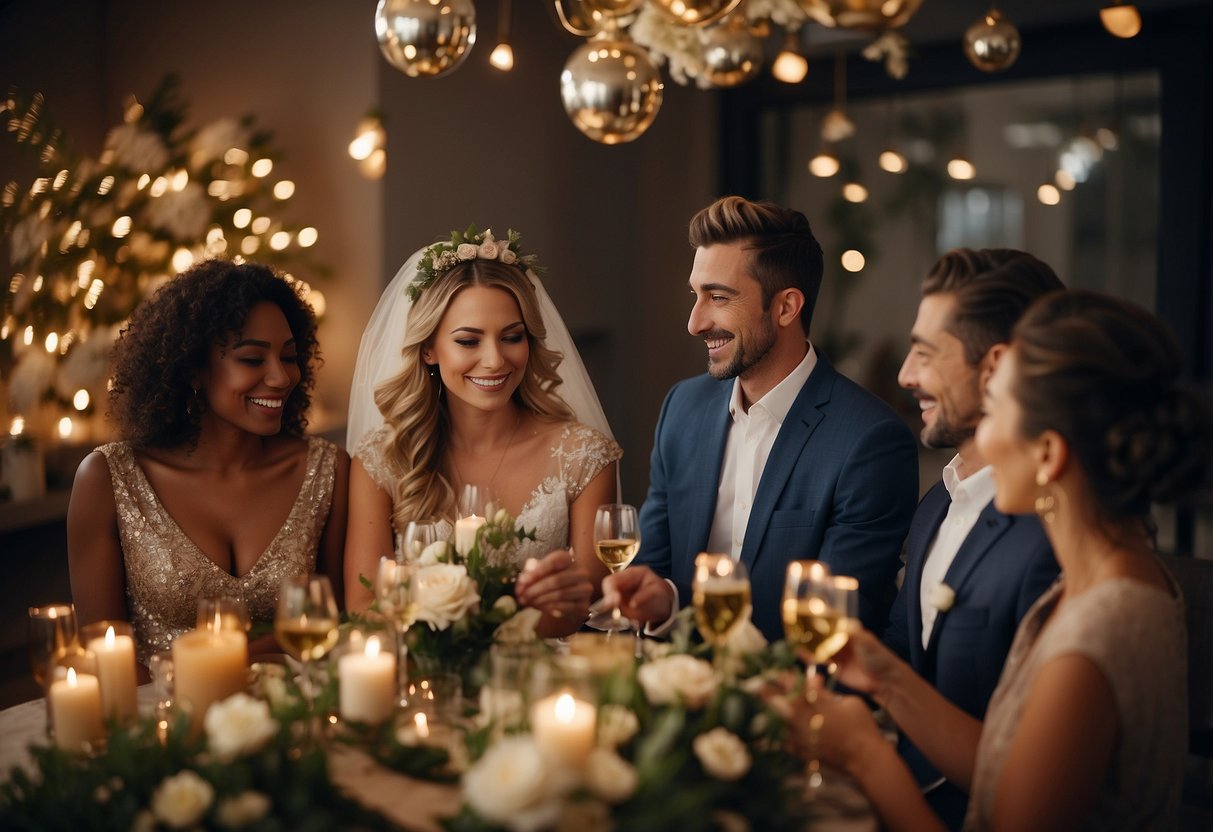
<point x="970" y="495"/>
<point x="746" y="450"/>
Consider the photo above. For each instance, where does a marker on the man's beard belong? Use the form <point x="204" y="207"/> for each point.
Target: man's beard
<point x="744" y="359"/>
<point x="945" y="434"/>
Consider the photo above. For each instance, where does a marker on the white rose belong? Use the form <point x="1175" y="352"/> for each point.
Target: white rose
<point x="239" y="811"/>
<point x="443" y="593"/>
<point x="487" y="250"/>
<point x="942" y="597"/>
<point x="679" y="678"/>
<point x="506" y="604"/>
<point x="508" y="257"/>
<point x="654" y="649"/>
<point x="520" y="628"/>
<point x="609" y="776"/>
<point x="722" y="754"/>
<point x="512" y="785"/>
<point x="745" y="639"/>
<point x="239" y="725"/>
<point x="182" y="800"/>
<point x="616" y="725"/>
<point x="436" y="552"/>
<point x="466" y="251"/>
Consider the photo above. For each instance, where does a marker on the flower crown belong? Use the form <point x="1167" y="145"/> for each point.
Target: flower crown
<point x="469" y="245"/>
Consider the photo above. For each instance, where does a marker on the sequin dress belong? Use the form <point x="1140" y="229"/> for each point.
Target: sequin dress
<point x="166" y="573"/>
<point x="577" y="455"/>
<point x="1136" y="636"/>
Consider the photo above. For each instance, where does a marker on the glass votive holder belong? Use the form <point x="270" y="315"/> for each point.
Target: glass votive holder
<point x="438" y="695"/>
<point x="224" y="612"/>
<point x="607" y="654"/>
<point x="504" y="700"/>
<point x="74" y="696"/>
<point x="112" y="644"/>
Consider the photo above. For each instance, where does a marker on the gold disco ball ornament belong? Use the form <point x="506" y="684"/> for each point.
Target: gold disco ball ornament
<point x="696" y="12"/>
<point x="872" y="15"/>
<point x="992" y="43"/>
<point x="586" y="18"/>
<point x="610" y="89"/>
<point x="732" y="53"/>
<point x="425" y="38"/>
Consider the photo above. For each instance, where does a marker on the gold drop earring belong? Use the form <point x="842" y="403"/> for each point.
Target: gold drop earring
<point x="1046" y="504"/>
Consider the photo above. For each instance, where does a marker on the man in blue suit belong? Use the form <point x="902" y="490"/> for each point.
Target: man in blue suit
<point x="971" y="572"/>
<point x="772" y="456"/>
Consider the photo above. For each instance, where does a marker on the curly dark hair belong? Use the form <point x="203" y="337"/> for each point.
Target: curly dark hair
<point x="167" y="342"/>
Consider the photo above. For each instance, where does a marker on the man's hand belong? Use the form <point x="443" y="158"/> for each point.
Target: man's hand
<point x="639" y="593"/>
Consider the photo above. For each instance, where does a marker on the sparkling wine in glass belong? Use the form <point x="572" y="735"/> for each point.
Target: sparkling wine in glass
<point x="616" y="542"/>
<point x="305" y="624"/>
<point x="395" y="602"/>
<point x="720" y="592"/>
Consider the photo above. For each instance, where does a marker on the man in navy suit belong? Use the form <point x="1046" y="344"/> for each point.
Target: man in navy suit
<point x="971" y="572"/>
<point x="772" y="456"/>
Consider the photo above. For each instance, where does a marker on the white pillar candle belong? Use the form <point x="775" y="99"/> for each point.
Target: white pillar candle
<point x="465" y="532"/>
<point x="76" y="710"/>
<point x="208" y="667"/>
<point x="367" y="684"/>
<point x="563" y="727"/>
<point x="115" y="657"/>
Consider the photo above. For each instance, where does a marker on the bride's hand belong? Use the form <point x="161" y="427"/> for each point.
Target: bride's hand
<point x="556" y="586"/>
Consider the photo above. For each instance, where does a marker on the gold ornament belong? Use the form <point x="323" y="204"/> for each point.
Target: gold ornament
<point x="732" y="52"/>
<point x="871" y="15"/>
<point x="586" y="18"/>
<point x="697" y="12"/>
<point x="610" y="89"/>
<point x="992" y="43"/>
<point x="425" y="38"/>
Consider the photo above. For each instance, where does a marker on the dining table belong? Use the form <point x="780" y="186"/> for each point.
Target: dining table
<point x="410" y="803"/>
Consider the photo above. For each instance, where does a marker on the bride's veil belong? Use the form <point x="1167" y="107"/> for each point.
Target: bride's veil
<point x="379" y="357"/>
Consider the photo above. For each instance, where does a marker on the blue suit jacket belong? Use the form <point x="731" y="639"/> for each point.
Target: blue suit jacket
<point x="1000" y="570"/>
<point x="839" y="486"/>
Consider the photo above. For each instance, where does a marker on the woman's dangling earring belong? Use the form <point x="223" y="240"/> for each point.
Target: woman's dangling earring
<point x="1046" y="504"/>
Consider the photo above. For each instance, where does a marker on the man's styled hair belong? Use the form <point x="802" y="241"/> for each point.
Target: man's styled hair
<point x="992" y="287"/>
<point x="786" y="255"/>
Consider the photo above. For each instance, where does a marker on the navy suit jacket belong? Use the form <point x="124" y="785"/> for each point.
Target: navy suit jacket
<point x="839" y="486"/>
<point x="1000" y="570"/>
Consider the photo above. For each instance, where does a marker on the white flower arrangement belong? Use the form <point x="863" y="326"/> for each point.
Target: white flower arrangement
<point x="722" y="754"/>
<point x="238" y="726"/>
<point x="469" y="245"/>
<point x="182" y="799"/>
<point x="443" y="594"/>
<point x="942" y="597"/>
<point x="678" y="679"/>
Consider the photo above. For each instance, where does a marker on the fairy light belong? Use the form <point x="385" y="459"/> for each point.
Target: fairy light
<point x="242" y="217"/>
<point x="892" y="161"/>
<point x="854" y="192"/>
<point x="824" y="164"/>
<point x="81" y="399"/>
<point x="121" y="227"/>
<point x="158" y="187"/>
<point x="853" y="260"/>
<point x="260" y="225"/>
<point x="1048" y="194"/>
<point x="94" y="293"/>
<point x="183" y="258"/>
<point x="280" y="240"/>
<point x="106" y="185"/>
<point x="27" y="337"/>
<point x="307" y="237"/>
<point x="961" y="168"/>
<point x="143" y="182"/>
<point x="235" y="156"/>
<point x="284" y="189"/>
<point x="249" y="245"/>
<point x="52" y="342"/>
<point x="84" y="272"/>
<point x="262" y="168"/>
<point x="65" y="427"/>
<point x="61" y="180"/>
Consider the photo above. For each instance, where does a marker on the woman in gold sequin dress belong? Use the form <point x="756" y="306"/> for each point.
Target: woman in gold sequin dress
<point x="214" y="489"/>
<point x="477" y="396"/>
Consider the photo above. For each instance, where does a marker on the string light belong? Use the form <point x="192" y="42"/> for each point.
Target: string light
<point x="854" y="192"/>
<point x="790" y="66"/>
<point x="81" y="399"/>
<point x="1048" y="194"/>
<point x="853" y="260"/>
<point x="961" y="168"/>
<point x="1121" y="19"/>
<point x="825" y="164"/>
<point x="892" y="161"/>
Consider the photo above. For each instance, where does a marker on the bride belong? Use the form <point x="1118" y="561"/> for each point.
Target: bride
<point x="477" y="396"/>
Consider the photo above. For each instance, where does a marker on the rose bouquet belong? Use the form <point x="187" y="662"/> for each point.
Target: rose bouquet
<point x="677" y="746"/>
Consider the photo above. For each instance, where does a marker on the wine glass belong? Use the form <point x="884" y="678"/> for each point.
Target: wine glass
<point x="616" y="542"/>
<point x="814" y="620"/>
<point x="721" y="595"/>
<point x="477" y="501"/>
<point x="305" y="625"/>
<point x="395" y="602"/>
<point x="52" y="634"/>
<point x="416" y="537"/>
<point x="225" y="612"/>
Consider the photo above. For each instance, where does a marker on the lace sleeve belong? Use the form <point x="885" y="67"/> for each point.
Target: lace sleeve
<point x="583" y="453"/>
<point x="370" y="451"/>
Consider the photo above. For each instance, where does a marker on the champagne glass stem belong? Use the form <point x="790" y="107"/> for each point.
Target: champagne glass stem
<point x="813" y="776"/>
<point x="402" y="666"/>
<point x="309" y="728"/>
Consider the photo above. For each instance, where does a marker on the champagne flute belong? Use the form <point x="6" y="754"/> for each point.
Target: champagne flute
<point x="812" y="621"/>
<point x="616" y="542"/>
<point x="720" y="592"/>
<point x="52" y="635"/>
<point x="392" y="593"/>
<point x="305" y="625"/>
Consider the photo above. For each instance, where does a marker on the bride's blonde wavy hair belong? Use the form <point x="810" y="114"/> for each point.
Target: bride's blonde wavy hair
<point x="415" y="413"/>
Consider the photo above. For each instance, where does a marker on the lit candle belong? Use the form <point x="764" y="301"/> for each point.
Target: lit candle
<point x="465" y="532"/>
<point x="115" y="656"/>
<point x="564" y="727"/>
<point x="76" y="710"/>
<point x="208" y="666"/>
<point x="367" y="684"/>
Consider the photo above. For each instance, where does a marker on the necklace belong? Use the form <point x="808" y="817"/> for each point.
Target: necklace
<point x="509" y="444"/>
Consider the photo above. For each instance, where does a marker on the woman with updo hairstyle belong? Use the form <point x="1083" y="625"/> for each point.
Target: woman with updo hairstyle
<point x="1086" y="424"/>
<point x="468" y="391"/>
<point x="214" y="490"/>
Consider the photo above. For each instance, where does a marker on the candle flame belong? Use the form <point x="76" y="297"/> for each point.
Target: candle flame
<point x="109" y="638"/>
<point x="71" y="677"/>
<point x="218" y="619"/>
<point x="565" y="708"/>
<point x="422" y="725"/>
<point x="372" y="646"/>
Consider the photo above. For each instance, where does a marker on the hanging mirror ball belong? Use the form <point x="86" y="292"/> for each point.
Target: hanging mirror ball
<point x="425" y="39"/>
<point x="992" y="43"/>
<point x="610" y="89"/>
